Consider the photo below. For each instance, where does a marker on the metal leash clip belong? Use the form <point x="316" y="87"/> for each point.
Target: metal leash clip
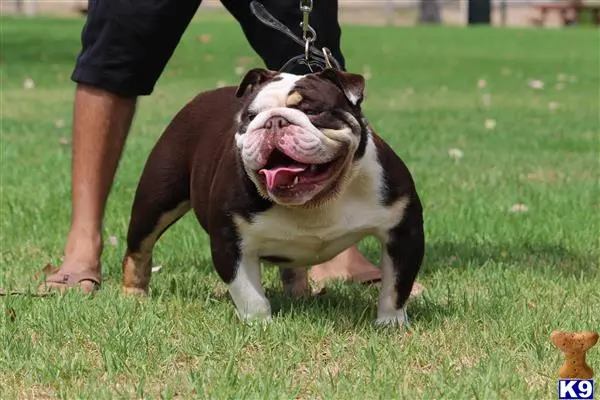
<point x="308" y="33"/>
<point x="328" y="57"/>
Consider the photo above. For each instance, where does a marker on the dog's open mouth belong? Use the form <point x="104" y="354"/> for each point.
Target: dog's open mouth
<point x="283" y="173"/>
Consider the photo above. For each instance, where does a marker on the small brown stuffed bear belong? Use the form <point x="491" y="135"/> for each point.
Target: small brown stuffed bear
<point x="574" y="345"/>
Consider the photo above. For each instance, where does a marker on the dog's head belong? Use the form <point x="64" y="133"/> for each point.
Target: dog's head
<point x="299" y="137"/>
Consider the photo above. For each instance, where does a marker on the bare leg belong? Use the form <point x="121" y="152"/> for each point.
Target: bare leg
<point x="348" y="265"/>
<point x="101" y="124"/>
<point x="353" y="266"/>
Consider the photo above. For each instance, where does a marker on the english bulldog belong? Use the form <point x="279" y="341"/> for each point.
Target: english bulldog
<point x="282" y="169"/>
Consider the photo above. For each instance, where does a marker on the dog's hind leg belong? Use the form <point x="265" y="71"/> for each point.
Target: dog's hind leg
<point x="295" y="281"/>
<point x="161" y="199"/>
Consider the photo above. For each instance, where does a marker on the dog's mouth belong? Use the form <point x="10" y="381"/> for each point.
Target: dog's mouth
<point x="282" y="175"/>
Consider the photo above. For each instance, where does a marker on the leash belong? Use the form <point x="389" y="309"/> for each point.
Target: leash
<point x="312" y="57"/>
<point x="25" y="293"/>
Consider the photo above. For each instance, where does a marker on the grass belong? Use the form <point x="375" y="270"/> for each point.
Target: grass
<point x="498" y="282"/>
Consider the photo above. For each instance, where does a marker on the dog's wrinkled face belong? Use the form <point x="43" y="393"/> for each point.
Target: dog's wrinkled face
<point x="298" y="136"/>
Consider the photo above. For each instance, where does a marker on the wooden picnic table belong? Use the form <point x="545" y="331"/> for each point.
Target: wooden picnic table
<point x="570" y="12"/>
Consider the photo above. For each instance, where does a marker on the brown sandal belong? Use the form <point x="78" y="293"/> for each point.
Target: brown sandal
<point x="372" y="277"/>
<point x="366" y="278"/>
<point x="416" y="290"/>
<point x="88" y="282"/>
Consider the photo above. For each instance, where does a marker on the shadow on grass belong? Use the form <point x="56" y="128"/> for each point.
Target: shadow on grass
<point x="543" y="257"/>
<point x="352" y="306"/>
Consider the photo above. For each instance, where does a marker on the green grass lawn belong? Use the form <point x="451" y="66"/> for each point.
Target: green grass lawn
<point x="498" y="281"/>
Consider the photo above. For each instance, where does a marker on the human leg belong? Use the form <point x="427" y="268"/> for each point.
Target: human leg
<point x="100" y="125"/>
<point x="126" y="45"/>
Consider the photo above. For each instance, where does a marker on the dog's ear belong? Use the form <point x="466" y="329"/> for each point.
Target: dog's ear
<point x="253" y="78"/>
<point x="353" y="85"/>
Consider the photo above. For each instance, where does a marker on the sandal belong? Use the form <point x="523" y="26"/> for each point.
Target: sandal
<point x="416" y="291"/>
<point x="324" y="276"/>
<point x="87" y="281"/>
<point x="366" y="278"/>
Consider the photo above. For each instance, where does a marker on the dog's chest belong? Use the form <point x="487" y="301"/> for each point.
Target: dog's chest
<point x="301" y="238"/>
<point x="305" y="239"/>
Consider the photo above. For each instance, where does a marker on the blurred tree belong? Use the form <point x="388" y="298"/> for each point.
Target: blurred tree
<point x="429" y="12"/>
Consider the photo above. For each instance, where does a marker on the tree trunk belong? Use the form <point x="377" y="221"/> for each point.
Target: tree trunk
<point x="429" y="12"/>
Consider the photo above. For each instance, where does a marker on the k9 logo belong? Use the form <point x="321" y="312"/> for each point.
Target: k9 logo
<point x="575" y="389"/>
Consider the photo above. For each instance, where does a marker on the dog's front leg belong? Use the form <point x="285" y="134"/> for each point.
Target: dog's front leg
<point x="242" y="275"/>
<point x="403" y="248"/>
<point x="247" y="291"/>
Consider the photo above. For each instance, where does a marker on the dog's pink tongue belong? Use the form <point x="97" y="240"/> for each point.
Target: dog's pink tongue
<point x="281" y="176"/>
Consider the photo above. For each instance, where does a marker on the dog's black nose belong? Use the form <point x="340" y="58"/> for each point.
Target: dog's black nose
<point x="276" y="122"/>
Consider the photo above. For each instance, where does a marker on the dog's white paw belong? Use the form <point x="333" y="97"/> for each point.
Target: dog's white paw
<point x="253" y="314"/>
<point x="392" y="317"/>
<point x="248" y="295"/>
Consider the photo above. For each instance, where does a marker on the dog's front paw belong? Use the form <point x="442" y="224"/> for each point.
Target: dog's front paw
<point x="392" y="317"/>
<point x="255" y="314"/>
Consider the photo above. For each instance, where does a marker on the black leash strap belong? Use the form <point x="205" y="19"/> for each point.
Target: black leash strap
<point x="312" y="57"/>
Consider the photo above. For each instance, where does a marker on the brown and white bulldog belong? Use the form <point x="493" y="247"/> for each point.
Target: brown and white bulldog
<point x="282" y="169"/>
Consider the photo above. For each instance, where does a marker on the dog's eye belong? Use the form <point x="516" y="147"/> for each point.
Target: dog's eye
<point x="312" y="112"/>
<point x="251" y="115"/>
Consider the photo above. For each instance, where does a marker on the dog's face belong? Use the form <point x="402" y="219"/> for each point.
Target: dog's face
<point x="298" y="136"/>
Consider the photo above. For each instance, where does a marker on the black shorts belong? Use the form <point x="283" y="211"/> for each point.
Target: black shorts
<point x="126" y="44"/>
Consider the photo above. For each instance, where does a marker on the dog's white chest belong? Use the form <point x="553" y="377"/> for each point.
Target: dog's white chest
<point x="305" y="239"/>
<point x="308" y="237"/>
